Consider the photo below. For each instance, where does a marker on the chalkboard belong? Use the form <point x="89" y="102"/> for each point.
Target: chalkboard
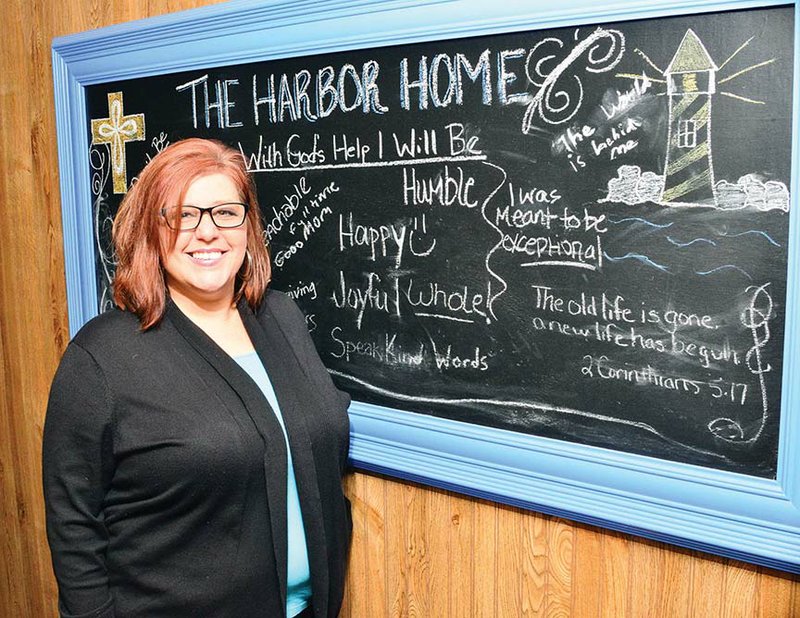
<point x="578" y="233"/>
<point x="696" y="443"/>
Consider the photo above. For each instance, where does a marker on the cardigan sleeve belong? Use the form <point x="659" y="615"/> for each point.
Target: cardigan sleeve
<point x="77" y="465"/>
<point x="293" y="324"/>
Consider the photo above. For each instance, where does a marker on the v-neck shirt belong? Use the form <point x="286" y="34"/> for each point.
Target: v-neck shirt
<point x="298" y="574"/>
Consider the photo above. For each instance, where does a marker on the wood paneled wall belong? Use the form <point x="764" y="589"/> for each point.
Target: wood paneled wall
<point x="423" y="552"/>
<point x="417" y="551"/>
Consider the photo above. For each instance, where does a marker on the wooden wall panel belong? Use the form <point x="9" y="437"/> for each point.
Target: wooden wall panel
<point x="534" y="566"/>
<point x="486" y="561"/>
<point x="586" y="574"/>
<point x="677" y="584"/>
<point x="776" y="596"/>
<point x="527" y="564"/>
<point x="417" y="551"/>
<point x="613" y="564"/>
<point x="462" y="557"/>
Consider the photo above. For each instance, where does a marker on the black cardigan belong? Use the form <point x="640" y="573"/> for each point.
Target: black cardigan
<point x="165" y="469"/>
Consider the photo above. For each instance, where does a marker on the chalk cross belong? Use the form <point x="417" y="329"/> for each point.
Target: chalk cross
<point x="116" y="131"/>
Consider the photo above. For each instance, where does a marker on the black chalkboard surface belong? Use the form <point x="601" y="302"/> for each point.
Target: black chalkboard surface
<point x="577" y="233"/>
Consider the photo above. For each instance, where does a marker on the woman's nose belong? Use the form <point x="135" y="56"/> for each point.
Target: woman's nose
<point x="206" y="228"/>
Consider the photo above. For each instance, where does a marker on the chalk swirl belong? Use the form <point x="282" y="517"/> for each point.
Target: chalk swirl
<point x="99" y="161"/>
<point x="755" y="317"/>
<point x="560" y="91"/>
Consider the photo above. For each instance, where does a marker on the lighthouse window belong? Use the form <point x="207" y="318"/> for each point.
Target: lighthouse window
<point x="687" y="134"/>
<point x="690" y="82"/>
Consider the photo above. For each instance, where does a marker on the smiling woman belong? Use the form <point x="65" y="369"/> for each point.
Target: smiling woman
<point x="191" y="172"/>
<point x="201" y="263"/>
<point x="197" y="416"/>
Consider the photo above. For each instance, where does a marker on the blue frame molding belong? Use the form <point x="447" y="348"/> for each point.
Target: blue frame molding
<point x="743" y="517"/>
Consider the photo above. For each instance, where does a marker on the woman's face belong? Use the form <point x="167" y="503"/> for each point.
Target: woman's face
<point x="202" y="265"/>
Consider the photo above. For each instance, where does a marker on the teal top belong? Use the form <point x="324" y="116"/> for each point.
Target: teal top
<point x="298" y="571"/>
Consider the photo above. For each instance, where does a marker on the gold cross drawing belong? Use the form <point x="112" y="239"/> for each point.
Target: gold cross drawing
<point x="116" y="130"/>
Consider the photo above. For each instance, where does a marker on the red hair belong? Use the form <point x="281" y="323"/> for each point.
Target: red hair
<point x="139" y="284"/>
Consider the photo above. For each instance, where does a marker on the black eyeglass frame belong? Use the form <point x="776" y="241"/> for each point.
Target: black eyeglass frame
<point x="210" y="210"/>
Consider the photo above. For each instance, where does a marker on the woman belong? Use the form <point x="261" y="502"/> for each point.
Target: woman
<point x="194" y="443"/>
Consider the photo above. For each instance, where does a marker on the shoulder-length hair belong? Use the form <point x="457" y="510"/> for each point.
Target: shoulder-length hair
<point x="139" y="284"/>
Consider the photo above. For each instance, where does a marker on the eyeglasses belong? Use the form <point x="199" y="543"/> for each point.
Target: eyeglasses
<point x="187" y="217"/>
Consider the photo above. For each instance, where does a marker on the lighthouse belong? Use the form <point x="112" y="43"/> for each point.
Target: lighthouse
<point x="689" y="174"/>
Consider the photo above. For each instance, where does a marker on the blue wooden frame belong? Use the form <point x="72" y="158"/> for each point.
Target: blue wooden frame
<point x="748" y="518"/>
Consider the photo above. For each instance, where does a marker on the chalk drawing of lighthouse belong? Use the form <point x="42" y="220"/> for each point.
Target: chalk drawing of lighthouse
<point x="691" y="81"/>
